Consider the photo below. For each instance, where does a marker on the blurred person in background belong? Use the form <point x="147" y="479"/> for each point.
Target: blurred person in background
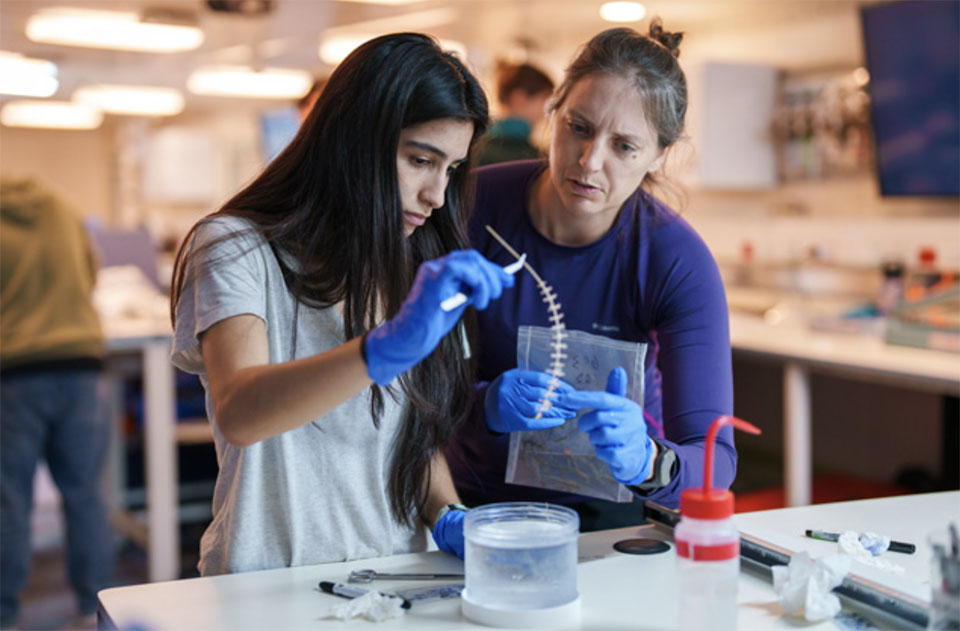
<point x="522" y="91"/>
<point x="51" y="405"/>
<point x="623" y="265"/>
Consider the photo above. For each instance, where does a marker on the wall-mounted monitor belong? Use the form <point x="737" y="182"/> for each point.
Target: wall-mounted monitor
<point x="913" y="56"/>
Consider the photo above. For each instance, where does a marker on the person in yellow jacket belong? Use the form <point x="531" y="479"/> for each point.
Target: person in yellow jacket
<point x="51" y="356"/>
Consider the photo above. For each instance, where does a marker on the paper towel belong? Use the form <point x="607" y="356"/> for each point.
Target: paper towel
<point x="373" y="606"/>
<point x="805" y="585"/>
<point x="851" y="544"/>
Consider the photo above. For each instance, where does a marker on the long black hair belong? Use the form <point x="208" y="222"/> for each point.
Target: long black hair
<point x="331" y="201"/>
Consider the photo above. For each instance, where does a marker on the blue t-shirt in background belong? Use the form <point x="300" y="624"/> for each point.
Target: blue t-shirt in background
<point x="649" y="279"/>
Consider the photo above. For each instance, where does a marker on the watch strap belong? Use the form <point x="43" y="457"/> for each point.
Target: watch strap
<point x="446" y="509"/>
<point x="663" y="469"/>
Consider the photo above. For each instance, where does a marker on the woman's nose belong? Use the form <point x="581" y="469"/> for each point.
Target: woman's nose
<point x="433" y="193"/>
<point x="590" y="156"/>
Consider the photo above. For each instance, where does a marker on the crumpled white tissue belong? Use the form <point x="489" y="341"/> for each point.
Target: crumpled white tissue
<point x="805" y="585"/>
<point x="851" y="544"/>
<point x="373" y="606"/>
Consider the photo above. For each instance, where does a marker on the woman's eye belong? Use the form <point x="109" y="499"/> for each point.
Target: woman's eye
<point x="626" y="148"/>
<point x="421" y="161"/>
<point x="578" y="128"/>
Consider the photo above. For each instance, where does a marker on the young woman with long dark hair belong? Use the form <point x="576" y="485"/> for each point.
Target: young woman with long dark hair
<point x="309" y="305"/>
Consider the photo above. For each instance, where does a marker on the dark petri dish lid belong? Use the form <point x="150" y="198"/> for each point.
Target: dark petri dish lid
<point x="641" y="546"/>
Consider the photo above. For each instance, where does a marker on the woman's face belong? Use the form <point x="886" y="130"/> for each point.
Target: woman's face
<point x="602" y="145"/>
<point x="427" y="156"/>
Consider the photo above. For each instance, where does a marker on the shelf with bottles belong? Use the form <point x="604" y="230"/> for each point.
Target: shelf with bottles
<point x="821" y="125"/>
<point x="928" y="314"/>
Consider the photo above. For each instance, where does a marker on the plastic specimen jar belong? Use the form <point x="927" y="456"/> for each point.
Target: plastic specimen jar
<point x="520" y="563"/>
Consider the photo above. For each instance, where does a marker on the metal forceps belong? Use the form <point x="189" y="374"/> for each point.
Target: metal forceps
<point x="366" y="576"/>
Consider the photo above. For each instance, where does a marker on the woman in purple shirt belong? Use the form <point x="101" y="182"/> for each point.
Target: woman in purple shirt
<point x="623" y="265"/>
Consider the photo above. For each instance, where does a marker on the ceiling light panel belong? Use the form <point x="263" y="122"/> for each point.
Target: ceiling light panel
<point x="339" y="41"/>
<point x="383" y="2"/>
<point x="110" y="29"/>
<point x="50" y="115"/>
<point x="25" y="76"/>
<point x="622" y="11"/>
<point x="131" y="100"/>
<point x="415" y="21"/>
<point x="335" y="49"/>
<point x="244" y="81"/>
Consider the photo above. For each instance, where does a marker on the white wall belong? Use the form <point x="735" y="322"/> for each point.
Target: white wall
<point x="100" y="172"/>
<point x="77" y="165"/>
<point x="844" y="217"/>
<point x="811" y="39"/>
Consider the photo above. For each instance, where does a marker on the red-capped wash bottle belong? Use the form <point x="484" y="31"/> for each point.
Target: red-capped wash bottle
<point x="708" y="547"/>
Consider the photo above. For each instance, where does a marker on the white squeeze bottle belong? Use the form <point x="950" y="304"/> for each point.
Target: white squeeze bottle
<point x="708" y="547"/>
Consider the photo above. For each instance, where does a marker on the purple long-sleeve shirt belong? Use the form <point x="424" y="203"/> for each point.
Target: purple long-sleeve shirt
<point x="649" y="279"/>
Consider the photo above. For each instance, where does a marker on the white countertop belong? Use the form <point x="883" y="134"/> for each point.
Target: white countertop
<point x="618" y="591"/>
<point x="869" y="356"/>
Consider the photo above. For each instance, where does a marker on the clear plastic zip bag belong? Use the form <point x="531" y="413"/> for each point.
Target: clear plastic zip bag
<point x="562" y="458"/>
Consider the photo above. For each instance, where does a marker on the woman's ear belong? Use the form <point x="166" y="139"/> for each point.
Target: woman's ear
<point x="658" y="161"/>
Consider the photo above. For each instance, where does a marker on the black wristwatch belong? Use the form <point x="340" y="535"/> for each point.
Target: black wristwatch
<point x="664" y="468"/>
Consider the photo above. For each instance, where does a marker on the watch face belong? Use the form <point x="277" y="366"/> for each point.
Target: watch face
<point x="668" y="458"/>
<point x="664" y="469"/>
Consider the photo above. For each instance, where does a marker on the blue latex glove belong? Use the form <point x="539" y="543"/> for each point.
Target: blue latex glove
<point x="403" y="341"/>
<point x="513" y="398"/>
<point x="448" y="532"/>
<point x="616" y="428"/>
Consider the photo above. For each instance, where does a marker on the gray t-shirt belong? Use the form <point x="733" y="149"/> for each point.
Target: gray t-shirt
<point x="314" y="494"/>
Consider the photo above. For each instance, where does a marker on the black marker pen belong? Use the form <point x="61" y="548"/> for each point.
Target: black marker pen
<point x="349" y="591"/>
<point x="895" y="546"/>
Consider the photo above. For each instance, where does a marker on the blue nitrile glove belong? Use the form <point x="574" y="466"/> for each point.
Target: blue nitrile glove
<point x="616" y="428"/>
<point x="403" y="341"/>
<point x="513" y="398"/>
<point x="448" y="532"/>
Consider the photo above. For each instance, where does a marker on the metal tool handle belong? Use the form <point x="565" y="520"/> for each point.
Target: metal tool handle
<point x="418" y="576"/>
<point x="366" y="576"/>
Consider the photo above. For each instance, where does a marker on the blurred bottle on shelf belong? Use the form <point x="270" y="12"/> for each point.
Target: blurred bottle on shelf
<point x="891" y="289"/>
<point x="744" y="270"/>
<point x="924" y="276"/>
<point x="929" y="317"/>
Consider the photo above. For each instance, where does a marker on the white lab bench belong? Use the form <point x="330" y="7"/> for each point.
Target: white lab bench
<point x="803" y="351"/>
<point x="618" y="591"/>
<point x="150" y="342"/>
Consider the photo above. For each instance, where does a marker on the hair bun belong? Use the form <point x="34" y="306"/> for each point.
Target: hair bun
<point x="671" y="41"/>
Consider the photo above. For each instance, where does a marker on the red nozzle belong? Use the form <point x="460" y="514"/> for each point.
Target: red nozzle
<point x="708" y="503"/>
<point x="715" y="426"/>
